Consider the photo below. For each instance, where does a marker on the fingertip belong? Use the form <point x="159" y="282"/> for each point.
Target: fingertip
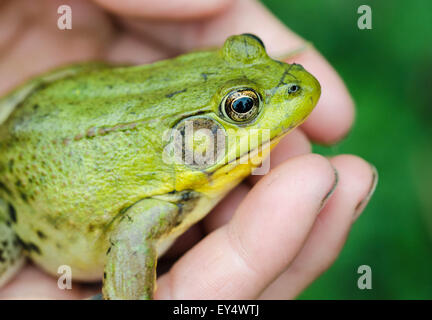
<point x="302" y="183"/>
<point x="314" y="166"/>
<point x="329" y="232"/>
<point x="358" y="179"/>
<point x="282" y="208"/>
<point x="310" y="172"/>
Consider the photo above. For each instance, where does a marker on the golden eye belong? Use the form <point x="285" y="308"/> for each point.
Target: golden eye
<point x="241" y="105"/>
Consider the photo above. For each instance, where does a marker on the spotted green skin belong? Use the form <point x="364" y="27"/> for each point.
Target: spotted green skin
<point x="81" y="149"/>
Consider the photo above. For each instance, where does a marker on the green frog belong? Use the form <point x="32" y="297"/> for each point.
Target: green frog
<point x="102" y="167"/>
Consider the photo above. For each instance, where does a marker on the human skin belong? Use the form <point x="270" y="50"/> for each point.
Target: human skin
<point x="219" y="258"/>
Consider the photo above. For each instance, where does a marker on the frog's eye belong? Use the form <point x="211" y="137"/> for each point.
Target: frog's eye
<point x="243" y="49"/>
<point x="241" y="105"/>
<point x="293" y="89"/>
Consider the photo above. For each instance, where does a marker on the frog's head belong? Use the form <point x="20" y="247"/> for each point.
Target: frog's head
<point x="265" y="94"/>
<point x="256" y="102"/>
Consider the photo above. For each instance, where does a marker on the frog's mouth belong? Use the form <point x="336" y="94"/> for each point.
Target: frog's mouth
<point x="268" y="145"/>
<point x="254" y="157"/>
<point x="226" y="176"/>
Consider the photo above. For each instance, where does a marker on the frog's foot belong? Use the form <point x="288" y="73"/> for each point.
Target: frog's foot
<point x="130" y="271"/>
<point x="11" y="255"/>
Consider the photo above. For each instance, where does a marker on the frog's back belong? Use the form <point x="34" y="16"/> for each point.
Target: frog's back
<point x="95" y="132"/>
<point x="64" y="141"/>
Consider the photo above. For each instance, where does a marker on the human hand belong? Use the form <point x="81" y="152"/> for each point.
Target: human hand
<point x="270" y="237"/>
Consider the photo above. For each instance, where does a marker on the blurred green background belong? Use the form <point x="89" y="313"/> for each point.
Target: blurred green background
<point x="388" y="70"/>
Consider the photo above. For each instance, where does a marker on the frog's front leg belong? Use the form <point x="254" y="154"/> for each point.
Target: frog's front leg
<point x="11" y="255"/>
<point x="130" y="270"/>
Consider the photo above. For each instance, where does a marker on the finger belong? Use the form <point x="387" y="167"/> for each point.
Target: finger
<point x="279" y="211"/>
<point x="294" y="144"/>
<point x="37" y="45"/>
<point x="128" y="49"/>
<point x="357" y="181"/>
<point x="225" y="210"/>
<point x="334" y="114"/>
<point x="32" y="283"/>
<point x="173" y="9"/>
<point x="218" y="217"/>
<point x="186" y="241"/>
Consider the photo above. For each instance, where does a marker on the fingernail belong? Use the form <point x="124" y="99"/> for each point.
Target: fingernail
<point x="363" y="203"/>
<point x="333" y="188"/>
